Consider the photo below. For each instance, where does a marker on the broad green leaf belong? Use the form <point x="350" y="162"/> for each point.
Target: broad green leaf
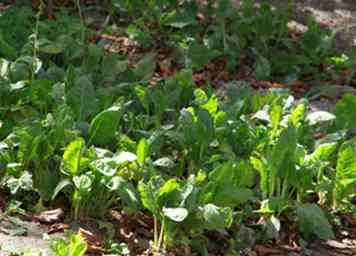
<point x="175" y="214"/>
<point x="77" y="246"/>
<point x="322" y="153"/>
<point x="346" y="111"/>
<point x="61" y="185"/>
<point x="204" y="127"/>
<point x="148" y="194"/>
<point x="187" y="122"/>
<point x="49" y="47"/>
<point x="104" y="125"/>
<point x="83" y="183"/>
<point x="345" y="178"/>
<point x="6" y="49"/>
<point x="312" y="221"/>
<point x="169" y="194"/>
<point x="225" y="187"/>
<point x="24" y="182"/>
<point x="262" y="68"/>
<point x="283" y="153"/>
<point x="275" y="115"/>
<point x="72" y="156"/>
<point x="200" y="55"/>
<point x="212" y="105"/>
<point x="145" y="67"/>
<point x="128" y="194"/>
<point x="200" y="97"/>
<point x="142" y="150"/>
<point x="181" y="19"/>
<point x="275" y="205"/>
<point x="81" y="98"/>
<point x="217" y="217"/>
<point x="262" y="168"/>
<point x="141" y="94"/>
<point x="107" y="166"/>
<point x="297" y="115"/>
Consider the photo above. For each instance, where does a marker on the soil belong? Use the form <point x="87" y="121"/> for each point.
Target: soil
<point x="18" y="236"/>
<point x="335" y="15"/>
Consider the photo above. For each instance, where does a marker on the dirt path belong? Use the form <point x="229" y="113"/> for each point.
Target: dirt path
<point x="335" y="15"/>
<point x="17" y="236"/>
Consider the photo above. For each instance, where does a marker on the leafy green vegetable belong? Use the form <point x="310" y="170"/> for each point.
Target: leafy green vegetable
<point x="345" y="111"/>
<point x="72" y="156"/>
<point x="75" y="247"/>
<point x="345" y="178"/>
<point x="104" y="125"/>
<point x="81" y="97"/>
<point x="312" y="221"/>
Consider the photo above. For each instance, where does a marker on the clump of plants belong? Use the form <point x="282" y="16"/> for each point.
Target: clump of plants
<point x="86" y="125"/>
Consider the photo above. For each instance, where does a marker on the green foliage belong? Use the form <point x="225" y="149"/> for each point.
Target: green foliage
<point x="76" y="246"/>
<point x="345" y="178"/>
<point x="15" y="28"/>
<point x="104" y="125"/>
<point x="345" y="112"/>
<point x="312" y="221"/>
<point x="81" y="122"/>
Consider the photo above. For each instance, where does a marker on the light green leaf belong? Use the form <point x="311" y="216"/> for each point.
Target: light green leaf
<point x="345" y="179"/>
<point x="169" y="194"/>
<point x="72" y="156"/>
<point x="148" y="194"/>
<point x="77" y="246"/>
<point x="200" y="97"/>
<point x="297" y="115"/>
<point x="142" y="150"/>
<point x="322" y="153"/>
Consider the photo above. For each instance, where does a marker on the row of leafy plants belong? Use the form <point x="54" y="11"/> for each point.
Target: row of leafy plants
<point x="81" y="123"/>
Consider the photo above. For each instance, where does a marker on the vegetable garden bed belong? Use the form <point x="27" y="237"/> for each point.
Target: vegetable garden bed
<point x="175" y="128"/>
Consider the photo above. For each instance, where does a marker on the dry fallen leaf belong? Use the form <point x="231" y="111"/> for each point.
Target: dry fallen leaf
<point x="58" y="227"/>
<point x="50" y="216"/>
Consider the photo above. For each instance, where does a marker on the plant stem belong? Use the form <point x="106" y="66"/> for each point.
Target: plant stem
<point x="81" y="19"/>
<point x="35" y="38"/>
<point x="160" y="239"/>
<point x="285" y="187"/>
<point x="155" y="235"/>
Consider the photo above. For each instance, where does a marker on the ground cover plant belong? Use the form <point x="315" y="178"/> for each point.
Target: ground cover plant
<point x="168" y="131"/>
